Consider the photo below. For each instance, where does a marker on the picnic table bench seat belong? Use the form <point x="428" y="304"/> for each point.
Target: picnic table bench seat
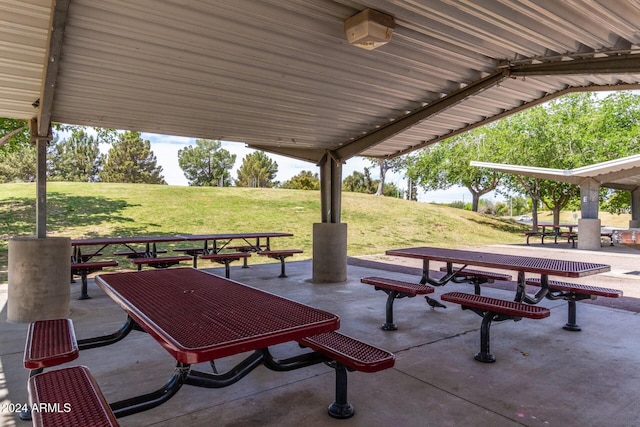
<point x="572" y="292"/>
<point x="395" y="289"/>
<point x="280" y="254"/>
<point x="194" y="252"/>
<point x="477" y="277"/>
<point x="75" y="395"/>
<point x="83" y="269"/>
<point x="138" y="254"/>
<point x="531" y="233"/>
<point x="87" y="257"/>
<point x="491" y="309"/>
<point x="226" y="259"/>
<point x="347" y="353"/>
<point x="160" y="262"/>
<point x="572" y="237"/>
<point x="49" y="343"/>
<point x="243" y="248"/>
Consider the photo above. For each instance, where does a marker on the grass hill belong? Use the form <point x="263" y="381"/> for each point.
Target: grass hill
<point x="375" y="224"/>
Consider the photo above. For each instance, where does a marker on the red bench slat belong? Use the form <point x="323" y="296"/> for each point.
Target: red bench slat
<point x="226" y="256"/>
<point x="80" y="267"/>
<point x="160" y="260"/>
<point x="351" y="352"/>
<point x="398" y="285"/>
<point x="75" y="396"/>
<point x="577" y="288"/>
<point x="510" y="308"/>
<point x="480" y="274"/>
<point x="50" y="343"/>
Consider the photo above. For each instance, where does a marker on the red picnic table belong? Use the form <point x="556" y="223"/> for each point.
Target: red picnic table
<point x="199" y="317"/>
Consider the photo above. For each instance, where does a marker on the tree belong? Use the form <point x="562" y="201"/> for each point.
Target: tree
<point x="305" y="180"/>
<point x="384" y="165"/>
<point x="76" y="159"/>
<point x="206" y="164"/>
<point x="557" y="135"/>
<point x="13" y="134"/>
<point x="257" y="170"/>
<point x="359" y="182"/>
<point x="130" y="159"/>
<point x="18" y="164"/>
<point x="446" y="164"/>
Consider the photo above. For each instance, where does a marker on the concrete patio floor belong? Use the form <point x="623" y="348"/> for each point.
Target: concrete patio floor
<point x="543" y="374"/>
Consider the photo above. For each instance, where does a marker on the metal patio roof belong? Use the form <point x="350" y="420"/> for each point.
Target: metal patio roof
<point x="279" y="75"/>
<point x="620" y="174"/>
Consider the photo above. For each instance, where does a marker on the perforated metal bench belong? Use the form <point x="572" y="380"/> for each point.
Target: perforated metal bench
<point x="193" y="252"/>
<point x="476" y="277"/>
<point x="138" y="254"/>
<point x="160" y="262"/>
<point x="491" y="309"/>
<point x="49" y="343"/>
<point x="226" y="259"/>
<point x="243" y="248"/>
<point x="347" y="353"/>
<point x="280" y="254"/>
<point x="572" y="292"/>
<point x="395" y="289"/>
<point x="69" y="397"/>
<point x="83" y="269"/>
<point x="540" y="234"/>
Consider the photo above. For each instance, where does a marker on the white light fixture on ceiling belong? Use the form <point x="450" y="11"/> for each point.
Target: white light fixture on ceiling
<point x="369" y="29"/>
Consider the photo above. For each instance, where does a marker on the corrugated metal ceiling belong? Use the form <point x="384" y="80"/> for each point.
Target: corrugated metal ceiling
<point x="280" y="75"/>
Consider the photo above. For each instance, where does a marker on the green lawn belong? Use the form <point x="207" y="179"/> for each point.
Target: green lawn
<point x="80" y="210"/>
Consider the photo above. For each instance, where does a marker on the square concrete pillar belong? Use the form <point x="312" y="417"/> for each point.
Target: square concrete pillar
<point x="589" y="234"/>
<point x="329" y="252"/>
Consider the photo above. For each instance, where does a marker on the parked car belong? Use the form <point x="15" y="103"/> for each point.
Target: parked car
<point x="523" y="218"/>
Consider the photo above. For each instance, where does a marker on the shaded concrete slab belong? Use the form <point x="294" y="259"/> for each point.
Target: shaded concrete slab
<point x="543" y="374"/>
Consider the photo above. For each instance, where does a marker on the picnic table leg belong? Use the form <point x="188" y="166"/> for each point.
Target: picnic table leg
<point x="571" y="319"/>
<point x="425" y="272"/>
<point x="282" y="274"/>
<point x="485" y="354"/>
<point x="226" y="267"/>
<point x="155" y="398"/>
<point x="84" y="293"/>
<point x="389" y="325"/>
<point x="341" y="409"/>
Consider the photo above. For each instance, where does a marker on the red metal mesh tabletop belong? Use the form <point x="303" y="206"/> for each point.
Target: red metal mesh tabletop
<point x="509" y="262"/>
<point x="198" y="317"/>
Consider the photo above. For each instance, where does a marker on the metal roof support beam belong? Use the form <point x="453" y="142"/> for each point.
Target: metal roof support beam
<point x="52" y="60"/>
<point x="41" y="177"/>
<point x="330" y="188"/>
<point x="308" y="155"/>
<point x="379" y="135"/>
<point x="619" y="64"/>
<point x="525" y="106"/>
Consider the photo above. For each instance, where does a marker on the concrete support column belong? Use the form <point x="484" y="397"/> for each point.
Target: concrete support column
<point x="329" y="252"/>
<point x="589" y="233"/>
<point x="39" y="276"/>
<point x="589" y="225"/>
<point x="330" y="236"/>
<point x="635" y="208"/>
